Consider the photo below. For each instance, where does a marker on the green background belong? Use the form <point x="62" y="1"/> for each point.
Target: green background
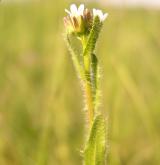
<point x="41" y="103"/>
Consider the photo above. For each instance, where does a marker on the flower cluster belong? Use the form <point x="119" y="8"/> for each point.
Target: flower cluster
<point x="79" y="20"/>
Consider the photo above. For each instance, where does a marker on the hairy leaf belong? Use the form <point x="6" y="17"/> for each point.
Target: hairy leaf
<point x="93" y="36"/>
<point x="94" y="78"/>
<point x="94" y="153"/>
<point x="75" y="59"/>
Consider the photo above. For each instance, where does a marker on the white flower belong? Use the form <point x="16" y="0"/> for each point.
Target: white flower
<point x="74" y="11"/>
<point x="79" y="20"/>
<point x="100" y="14"/>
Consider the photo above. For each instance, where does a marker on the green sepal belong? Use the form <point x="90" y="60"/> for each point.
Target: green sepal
<point x="95" y="150"/>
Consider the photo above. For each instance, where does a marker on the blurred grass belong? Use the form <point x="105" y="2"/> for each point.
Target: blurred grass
<point x="41" y="117"/>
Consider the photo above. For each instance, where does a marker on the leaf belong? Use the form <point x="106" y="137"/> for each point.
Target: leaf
<point x="95" y="151"/>
<point x="75" y="59"/>
<point x="95" y="75"/>
<point x="93" y="36"/>
<point x="94" y="63"/>
<point x="95" y="79"/>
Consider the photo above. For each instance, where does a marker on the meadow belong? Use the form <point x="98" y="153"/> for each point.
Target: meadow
<point x="41" y="107"/>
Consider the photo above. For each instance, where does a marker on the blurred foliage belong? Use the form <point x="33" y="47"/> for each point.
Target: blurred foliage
<point x="41" y="116"/>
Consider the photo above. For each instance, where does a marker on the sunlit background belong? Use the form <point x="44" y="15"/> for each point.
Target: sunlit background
<point x="41" y="107"/>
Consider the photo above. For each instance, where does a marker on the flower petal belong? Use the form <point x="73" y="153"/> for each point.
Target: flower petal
<point x="100" y="14"/>
<point x="94" y="12"/>
<point x="105" y="16"/>
<point x="81" y="9"/>
<point x="73" y="9"/>
<point x="67" y="11"/>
